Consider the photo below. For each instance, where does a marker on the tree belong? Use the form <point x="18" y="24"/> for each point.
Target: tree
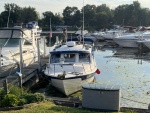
<point x="89" y="15"/>
<point x="68" y="14"/>
<point x="29" y="14"/>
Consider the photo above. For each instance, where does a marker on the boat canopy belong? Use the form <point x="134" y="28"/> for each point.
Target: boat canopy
<point x="13" y="33"/>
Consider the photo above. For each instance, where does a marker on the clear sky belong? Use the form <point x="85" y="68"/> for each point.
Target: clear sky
<point x="57" y="6"/>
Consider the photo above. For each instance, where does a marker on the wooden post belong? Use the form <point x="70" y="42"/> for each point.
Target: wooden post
<point x="5" y="85"/>
<point x="44" y="46"/>
<point x="20" y="81"/>
<point x="21" y="58"/>
<point x="57" y="40"/>
<point x="39" y="59"/>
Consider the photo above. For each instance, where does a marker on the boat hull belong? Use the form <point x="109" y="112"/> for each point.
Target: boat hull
<point x="126" y="43"/>
<point x="147" y="44"/>
<point x="71" y="85"/>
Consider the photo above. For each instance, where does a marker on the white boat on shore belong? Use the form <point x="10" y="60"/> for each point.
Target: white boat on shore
<point x="10" y="39"/>
<point x="70" y="66"/>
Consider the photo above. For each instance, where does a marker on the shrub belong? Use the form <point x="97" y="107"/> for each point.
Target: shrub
<point x="10" y="100"/>
<point x="37" y="97"/>
<point x="16" y="90"/>
<point x="22" y="101"/>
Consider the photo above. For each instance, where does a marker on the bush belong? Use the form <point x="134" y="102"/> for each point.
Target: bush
<point x="17" y="90"/>
<point x="9" y="100"/>
<point x="37" y="97"/>
<point x="22" y="101"/>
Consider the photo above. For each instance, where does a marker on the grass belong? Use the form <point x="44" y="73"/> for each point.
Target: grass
<point x="50" y="107"/>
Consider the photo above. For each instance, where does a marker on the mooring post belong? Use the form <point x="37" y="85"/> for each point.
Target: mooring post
<point x="5" y="85"/>
<point x="20" y="81"/>
<point x="39" y="59"/>
<point x="44" y="46"/>
<point x="21" y="58"/>
<point x="57" y="40"/>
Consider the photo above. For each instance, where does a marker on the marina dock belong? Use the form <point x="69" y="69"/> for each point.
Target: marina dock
<point x="29" y="73"/>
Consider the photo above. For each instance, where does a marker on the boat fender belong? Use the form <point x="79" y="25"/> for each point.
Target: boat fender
<point x="98" y="71"/>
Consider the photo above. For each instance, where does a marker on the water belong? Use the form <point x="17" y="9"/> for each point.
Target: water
<point x="124" y="67"/>
<point x="127" y="68"/>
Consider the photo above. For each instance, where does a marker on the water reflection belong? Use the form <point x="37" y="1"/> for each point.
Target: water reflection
<point x="128" y="68"/>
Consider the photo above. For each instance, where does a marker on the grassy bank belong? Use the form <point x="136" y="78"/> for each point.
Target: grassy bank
<point x="50" y="107"/>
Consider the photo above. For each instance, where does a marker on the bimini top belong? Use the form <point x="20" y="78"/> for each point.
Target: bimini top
<point x="14" y="32"/>
<point x="72" y="47"/>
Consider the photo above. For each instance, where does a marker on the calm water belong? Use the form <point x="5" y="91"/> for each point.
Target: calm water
<point x="124" y="67"/>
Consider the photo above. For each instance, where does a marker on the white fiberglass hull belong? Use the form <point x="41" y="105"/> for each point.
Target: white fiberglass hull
<point x="147" y="43"/>
<point x="127" y="42"/>
<point x="9" y="62"/>
<point x="71" y="85"/>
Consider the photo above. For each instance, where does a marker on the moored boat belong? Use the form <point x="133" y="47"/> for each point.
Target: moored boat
<point x="10" y="39"/>
<point x="70" y="66"/>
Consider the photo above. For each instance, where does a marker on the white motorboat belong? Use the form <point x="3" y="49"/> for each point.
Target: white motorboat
<point x="131" y="40"/>
<point x="146" y="42"/>
<point x="33" y="25"/>
<point x="70" y="66"/>
<point x="10" y="39"/>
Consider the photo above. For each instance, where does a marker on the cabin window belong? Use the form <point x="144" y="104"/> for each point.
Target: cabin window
<point x="69" y="57"/>
<point x="84" y="57"/>
<point x="55" y="58"/>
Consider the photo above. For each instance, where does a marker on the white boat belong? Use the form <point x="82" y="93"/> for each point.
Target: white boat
<point x="10" y="50"/>
<point x="33" y="25"/>
<point x="146" y="43"/>
<point x="70" y="66"/>
<point x="131" y="40"/>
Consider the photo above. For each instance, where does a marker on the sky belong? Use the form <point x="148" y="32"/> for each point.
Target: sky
<point x="57" y="6"/>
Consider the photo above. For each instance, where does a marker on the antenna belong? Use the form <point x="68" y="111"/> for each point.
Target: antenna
<point x="83" y="23"/>
<point x="8" y="15"/>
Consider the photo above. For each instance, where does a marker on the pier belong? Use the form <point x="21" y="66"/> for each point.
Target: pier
<point x="29" y="73"/>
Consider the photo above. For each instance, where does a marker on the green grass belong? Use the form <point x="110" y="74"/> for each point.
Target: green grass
<point x="50" y="107"/>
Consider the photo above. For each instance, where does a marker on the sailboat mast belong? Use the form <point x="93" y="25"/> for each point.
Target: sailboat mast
<point x="8" y="15"/>
<point x="83" y="24"/>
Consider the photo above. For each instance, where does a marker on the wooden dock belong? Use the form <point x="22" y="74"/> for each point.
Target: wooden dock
<point x="28" y="73"/>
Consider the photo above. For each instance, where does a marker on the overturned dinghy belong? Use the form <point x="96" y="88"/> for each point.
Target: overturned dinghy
<point x="70" y="66"/>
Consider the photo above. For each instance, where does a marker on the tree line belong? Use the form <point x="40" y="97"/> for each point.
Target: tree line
<point x="95" y="17"/>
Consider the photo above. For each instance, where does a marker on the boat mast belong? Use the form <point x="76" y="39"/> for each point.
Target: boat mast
<point x="8" y="15"/>
<point x="83" y="24"/>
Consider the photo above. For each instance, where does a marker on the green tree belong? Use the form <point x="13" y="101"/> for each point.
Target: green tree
<point x="29" y="14"/>
<point x="68" y="14"/>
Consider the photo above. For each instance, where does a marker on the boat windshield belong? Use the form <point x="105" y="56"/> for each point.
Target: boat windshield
<point x="55" y="58"/>
<point x="69" y="57"/>
<point x="9" y="42"/>
<point x="84" y="57"/>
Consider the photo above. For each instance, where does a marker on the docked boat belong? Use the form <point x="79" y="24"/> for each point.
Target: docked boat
<point x="33" y="25"/>
<point x="146" y="42"/>
<point x="10" y="39"/>
<point x="70" y="66"/>
<point x="132" y="39"/>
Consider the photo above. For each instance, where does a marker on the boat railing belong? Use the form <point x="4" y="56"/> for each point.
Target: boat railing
<point x="84" y="67"/>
